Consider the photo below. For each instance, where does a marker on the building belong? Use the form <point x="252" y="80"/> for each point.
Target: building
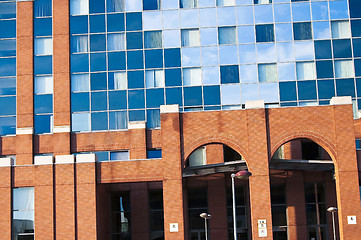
<point x="124" y="119"/>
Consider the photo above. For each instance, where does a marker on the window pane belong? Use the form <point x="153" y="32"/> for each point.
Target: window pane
<point x="79" y="7"/>
<point x="99" y="121"/>
<point x="267" y="73"/>
<point x="229" y="74"/>
<point x="227" y="35"/>
<point x="8" y="106"/>
<point x="117" y="80"/>
<point x="154" y="78"/>
<point x="302" y="31"/>
<point x="225" y="2"/>
<point x="190" y="37"/>
<point x="192" y="96"/>
<point x="80" y="82"/>
<point x="7" y="125"/>
<point x="188" y="3"/>
<point x="231" y="94"/>
<point x="119" y="155"/>
<point x="118" y="120"/>
<point x="265" y="33"/>
<point x="8" y="29"/>
<point x="42" y="8"/>
<point x="43" y="124"/>
<point x="43" y="103"/>
<point x="8" y="48"/>
<point x="43" y="85"/>
<point x="43" y="46"/>
<point x="7" y="10"/>
<point x="7" y="86"/>
<point x="344" y="69"/>
<point x="153" y="118"/>
<point x="80" y="122"/>
<point x="115" y="22"/>
<point x="8" y="67"/>
<point x="155" y="97"/>
<point x="23" y="198"/>
<point x="79" y="44"/>
<point x="151" y="4"/>
<point x="192" y="76"/>
<point x="156" y="153"/>
<point x="115" y="5"/>
<point x="153" y="39"/>
<point x="117" y="100"/>
<point x="305" y="70"/>
<point x="340" y="29"/>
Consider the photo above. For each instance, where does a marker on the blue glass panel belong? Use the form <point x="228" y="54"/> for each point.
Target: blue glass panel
<point x="98" y="101"/>
<point x="98" y="81"/>
<point x="116" y="61"/>
<point x="245" y="15"/>
<point x="172" y="57"/>
<point x="79" y="63"/>
<point x="137" y="115"/>
<point x="326" y="89"/>
<point x="43" y="64"/>
<point x="338" y="9"/>
<point x="284" y="52"/>
<point x="288" y="91"/>
<point x="306" y="90"/>
<point x="356" y="28"/>
<point x="358" y="67"/>
<point x="115" y="6"/>
<point x="7" y="86"/>
<point x="321" y="30"/>
<point x="42" y="124"/>
<point x="154" y="58"/>
<point x="245" y="38"/>
<point x="99" y="121"/>
<point x="284" y="32"/>
<point x="324" y="69"/>
<point x="192" y="96"/>
<point x="358" y="87"/>
<point x="80" y="122"/>
<point x="118" y="120"/>
<point x="206" y="17"/>
<point x="102" y="156"/>
<point x="191" y="56"/>
<point x="7" y="125"/>
<point x="8" y="29"/>
<point x="153" y="118"/>
<point x="229" y="74"/>
<point x="151" y="4"/>
<point x="228" y="16"/>
<point x="211" y="95"/>
<point x="136" y="99"/>
<point x="7" y="48"/>
<point x="356" y="47"/>
<point x="173" y="77"/>
<point x="96" y="6"/>
<point x="98" y="62"/>
<point x="7" y="10"/>
<point x="265" y="33"/>
<point x="155" y="97"/>
<point x="174" y="96"/>
<point x="42" y="8"/>
<point x="79" y="102"/>
<point x="266" y="52"/>
<point x="319" y="11"/>
<point x="97" y="42"/>
<point x="286" y="71"/>
<point x="301" y="12"/>
<point x="43" y="103"/>
<point x="134" y="21"/>
<point x="78" y="24"/>
<point x="97" y="23"/>
<point x="115" y="22"/>
<point x="117" y="100"/>
<point x="7" y="67"/>
<point x="345" y="87"/>
<point x="342" y="48"/>
<point x="302" y="31"/>
<point x="282" y="12"/>
<point x="323" y="49"/>
<point x="135" y="60"/>
<point x="8" y="106"/>
<point x="247" y="53"/>
<point x="263" y="13"/>
<point x="355" y="8"/>
<point x="135" y="40"/>
<point x="42" y="27"/>
<point x="289" y="104"/>
<point x="154" y="153"/>
<point x="136" y="79"/>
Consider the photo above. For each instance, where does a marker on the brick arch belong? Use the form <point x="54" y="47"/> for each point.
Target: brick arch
<point x="325" y="143"/>
<point x="239" y="148"/>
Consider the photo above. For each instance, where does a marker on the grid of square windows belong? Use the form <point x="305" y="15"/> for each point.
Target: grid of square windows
<point x="207" y="55"/>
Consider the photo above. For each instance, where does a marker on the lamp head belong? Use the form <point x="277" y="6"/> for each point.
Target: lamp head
<point x="243" y="174"/>
<point x="332" y="209"/>
<point x="205" y="215"/>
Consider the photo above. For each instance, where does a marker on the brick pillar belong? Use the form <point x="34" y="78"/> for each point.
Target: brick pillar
<point x="259" y="184"/>
<point x="137" y="140"/>
<point x="24" y="83"/>
<point x="217" y="205"/>
<point x="86" y="211"/>
<point x="139" y="211"/>
<point x="296" y="206"/>
<point x="65" y="222"/>
<point x="61" y="76"/>
<point x="346" y="172"/>
<point x="44" y="197"/>
<point x="172" y="172"/>
<point x="214" y="153"/>
<point x="5" y="199"/>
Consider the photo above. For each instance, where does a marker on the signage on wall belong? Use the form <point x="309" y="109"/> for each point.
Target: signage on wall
<point x="173" y="227"/>
<point x="262" y="228"/>
<point x="351" y="219"/>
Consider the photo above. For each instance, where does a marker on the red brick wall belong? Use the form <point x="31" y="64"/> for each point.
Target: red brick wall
<point x="5" y="202"/>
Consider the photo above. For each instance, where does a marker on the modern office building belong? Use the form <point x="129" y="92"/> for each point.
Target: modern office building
<point x="124" y="119"/>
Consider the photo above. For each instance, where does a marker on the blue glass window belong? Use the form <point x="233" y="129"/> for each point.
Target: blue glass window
<point x="99" y="101"/>
<point x="155" y="97"/>
<point x="78" y="24"/>
<point x="8" y="67"/>
<point x="154" y="58"/>
<point x="136" y="99"/>
<point x="7" y="125"/>
<point x="116" y="61"/>
<point x="342" y="48"/>
<point x="356" y="28"/>
<point x="265" y="33"/>
<point x="96" y="6"/>
<point x="136" y="79"/>
<point x="355" y="8"/>
<point x="358" y="87"/>
<point x="7" y="10"/>
<point x="323" y="49"/>
<point x="356" y="47"/>
<point x="117" y="100"/>
<point x="324" y="69"/>
<point x="43" y="64"/>
<point x="326" y="89"/>
<point x="79" y="44"/>
<point x="115" y="5"/>
<point x="42" y="8"/>
<point x="97" y="23"/>
<point x="117" y="81"/>
<point x="118" y="120"/>
<point x="135" y="40"/>
<point x="153" y="118"/>
<point x="174" y="96"/>
<point x="80" y="82"/>
<point x="151" y="4"/>
<point x="173" y="77"/>
<point x="80" y="122"/>
<point x="42" y="27"/>
<point x="99" y="121"/>
<point x="98" y="81"/>
<point x="135" y="59"/>
<point x="345" y="87"/>
<point x="98" y="62"/>
<point x="97" y="42"/>
<point x="43" y="103"/>
<point x="338" y="9"/>
<point x="153" y="39"/>
<point x="227" y="35"/>
<point x="172" y="57"/>
<point x="7" y="86"/>
<point x="137" y="115"/>
<point x="307" y="90"/>
<point x="211" y="95"/>
<point x="358" y="67"/>
<point x="229" y="74"/>
<point x="154" y="153"/>
<point x="288" y="91"/>
<point x="302" y="31"/>
<point x="116" y="42"/>
<point x="192" y="96"/>
<point x="7" y="48"/>
<point x="115" y="22"/>
<point x="79" y="102"/>
<point x="42" y="124"/>
<point x="8" y="29"/>
<point x="301" y="12"/>
<point x="8" y="106"/>
<point x="282" y="12"/>
<point x="319" y="11"/>
<point x="134" y="21"/>
<point x="79" y="63"/>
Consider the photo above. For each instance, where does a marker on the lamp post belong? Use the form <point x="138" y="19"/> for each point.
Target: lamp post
<point x="205" y="216"/>
<point x="243" y="174"/>
<point x="332" y="210"/>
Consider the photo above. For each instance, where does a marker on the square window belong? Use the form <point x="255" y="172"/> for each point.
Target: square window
<point x="192" y="96"/>
<point x="153" y="39"/>
<point x="229" y="74"/>
<point x="97" y="23"/>
<point x="324" y="69"/>
<point x="43" y="46"/>
<point x="302" y="31"/>
<point x="115" y="22"/>
<point x="79" y="7"/>
<point x="99" y="121"/>
<point x="190" y="38"/>
<point x="174" y="96"/>
<point x="323" y="49"/>
<point x="211" y="95"/>
<point x="43" y="85"/>
<point x="117" y="81"/>
<point x="43" y="124"/>
<point x="151" y="4"/>
<point x="116" y="42"/>
<point x="326" y="89"/>
<point x="307" y="90"/>
<point x="265" y="33"/>
<point x="154" y="153"/>
<point x="340" y="29"/>
<point x="188" y="3"/>
<point x="79" y="83"/>
<point x="80" y="122"/>
<point x="136" y="79"/>
<point x="227" y="35"/>
<point x="288" y="91"/>
<point x="118" y="120"/>
<point x="42" y="27"/>
<point x="154" y="78"/>
<point x="117" y="100"/>
<point x="134" y="40"/>
<point x="8" y="48"/>
<point x="262" y="1"/>
<point x="172" y="57"/>
<point x="96" y="6"/>
<point x="225" y="2"/>
<point x="305" y="70"/>
<point x="42" y="8"/>
<point x="134" y="21"/>
<point x="8" y="9"/>
<point x="79" y="44"/>
<point x="97" y="42"/>
<point x="173" y="77"/>
<point x="342" y="48"/>
<point x="267" y="72"/>
<point x="155" y="97"/>
<point x="154" y="58"/>
<point x="115" y="5"/>
<point x="344" y="69"/>
<point x="192" y="76"/>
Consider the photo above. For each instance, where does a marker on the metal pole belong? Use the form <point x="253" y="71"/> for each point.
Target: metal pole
<point x="333" y="224"/>
<point x="234" y="208"/>
<point x="205" y="226"/>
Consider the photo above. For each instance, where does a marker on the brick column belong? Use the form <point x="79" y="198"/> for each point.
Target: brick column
<point x="139" y="211"/>
<point x="86" y="211"/>
<point x="214" y="153"/>
<point x="65" y="222"/>
<point x="24" y="83"/>
<point x="44" y="197"/>
<point x="346" y="172"/>
<point x="172" y="172"/>
<point x="258" y="165"/>
<point x="137" y="140"/>
<point x="5" y="198"/>
<point x="61" y="76"/>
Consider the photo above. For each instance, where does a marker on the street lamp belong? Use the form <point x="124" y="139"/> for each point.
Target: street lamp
<point x="332" y="210"/>
<point x="205" y="216"/>
<point x="243" y="174"/>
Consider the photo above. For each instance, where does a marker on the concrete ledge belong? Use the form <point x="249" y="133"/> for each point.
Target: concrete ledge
<point x="64" y="159"/>
<point x="255" y="104"/>
<point x="341" y="100"/>
<point x="137" y="125"/>
<point x="6" y="162"/>
<point x="61" y="129"/>
<point x="25" y="131"/>
<point x="85" y="158"/>
<point x="43" y="160"/>
<point x="174" y="108"/>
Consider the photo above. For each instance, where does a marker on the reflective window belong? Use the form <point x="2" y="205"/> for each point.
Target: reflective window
<point x="342" y="48"/>
<point x="173" y="77"/>
<point x="323" y="49"/>
<point x="80" y="122"/>
<point x="8" y="48"/>
<point x="305" y="70"/>
<point x="288" y="91"/>
<point x="302" y="31"/>
<point x="154" y="58"/>
<point x="324" y="69"/>
<point x="154" y="153"/>
<point x="345" y="87"/>
<point x="115" y="5"/>
<point x="43" y="85"/>
<point x="227" y="35"/>
<point x="151" y="4"/>
<point x="153" y="118"/>
<point x="231" y="94"/>
<point x="267" y="72"/>
<point x="79" y="7"/>
<point x="262" y="1"/>
<point x="153" y="39"/>
<point x="7" y="10"/>
<point x="23" y="213"/>
<point x="190" y="37"/>
<point x="116" y="42"/>
<point x="211" y="95"/>
<point x="8" y="29"/>
<point x="155" y="97"/>
<point x="192" y="96"/>
<point x="344" y="69"/>
<point x="229" y="74"/>
<point x="301" y="12"/>
<point x="118" y="120"/>
<point x="154" y="78"/>
<point x="43" y="46"/>
<point x="225" y="2"/>
<point x="265" y="33"/>
<point x="340" y="29"/>
<point x="192" y="76"/>
<point x="306" y="90"/>
<point x="326" y="89"/>
<point x="188" y="3"/>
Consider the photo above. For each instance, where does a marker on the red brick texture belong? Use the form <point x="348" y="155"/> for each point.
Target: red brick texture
<point x="5" y="202"/>
<point x="140" y="211"/>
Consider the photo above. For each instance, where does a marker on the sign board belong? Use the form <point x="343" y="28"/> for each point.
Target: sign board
<point x="173" y="227"/>
<point x="351" y="219"/>
<point x="262" y="232"/>
<point x="262" y="228"/>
